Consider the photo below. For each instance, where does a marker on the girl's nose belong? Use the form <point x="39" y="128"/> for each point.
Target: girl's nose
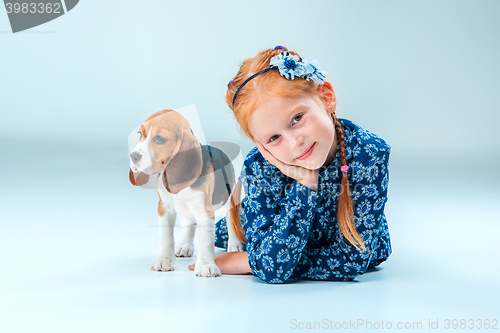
<point x="295" y="142"/>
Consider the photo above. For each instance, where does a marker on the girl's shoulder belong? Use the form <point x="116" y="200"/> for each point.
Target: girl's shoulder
<point x="255" y="161"/>
<point x="357" y="136"/>
<point x="254" y="155"/>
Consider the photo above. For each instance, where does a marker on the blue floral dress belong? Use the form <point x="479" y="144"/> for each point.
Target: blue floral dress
<point x="291" y="231"/>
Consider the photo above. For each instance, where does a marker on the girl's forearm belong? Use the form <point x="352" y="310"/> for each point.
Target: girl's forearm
<point x="233" y="263"/>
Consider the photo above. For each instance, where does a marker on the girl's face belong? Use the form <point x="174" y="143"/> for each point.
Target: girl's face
<point x="296" y="130"/>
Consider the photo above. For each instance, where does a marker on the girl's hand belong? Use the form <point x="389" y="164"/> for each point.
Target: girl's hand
<point x="306" y="177"/>
<point x="231" y="263"/>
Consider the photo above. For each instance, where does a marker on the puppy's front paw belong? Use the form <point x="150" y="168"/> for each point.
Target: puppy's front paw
<point x="207" y="270"/>
<point x="163" y="265"/>
<point x="235" y="246"/>
<point x="184" y="250"/>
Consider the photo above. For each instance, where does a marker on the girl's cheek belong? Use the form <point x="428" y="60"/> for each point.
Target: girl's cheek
<point x="284" y="156"/>
<point x="276" y="152"/>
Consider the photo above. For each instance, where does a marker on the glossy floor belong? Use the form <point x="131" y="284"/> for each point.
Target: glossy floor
<point x="77" y="241"/>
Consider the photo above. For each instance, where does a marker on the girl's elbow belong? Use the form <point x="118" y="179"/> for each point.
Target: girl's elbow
<point x="275" y="275"/>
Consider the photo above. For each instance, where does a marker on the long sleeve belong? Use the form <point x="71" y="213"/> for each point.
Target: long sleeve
<point x="278" y="220"/>
<point x="337" y="260"/>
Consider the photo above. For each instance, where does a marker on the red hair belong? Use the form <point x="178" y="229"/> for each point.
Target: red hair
<point x="250" y="96"/>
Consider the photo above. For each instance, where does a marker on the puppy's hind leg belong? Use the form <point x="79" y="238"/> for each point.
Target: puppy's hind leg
<point x="165" y="260"/>
<point x="233" y="243"/>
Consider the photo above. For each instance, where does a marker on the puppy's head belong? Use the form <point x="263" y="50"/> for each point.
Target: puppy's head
<point x="162" y="136"/>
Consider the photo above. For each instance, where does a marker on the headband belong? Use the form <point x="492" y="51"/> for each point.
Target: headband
<point x="290" y="67"/>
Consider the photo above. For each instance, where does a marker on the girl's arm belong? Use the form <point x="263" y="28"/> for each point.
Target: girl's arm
<point x="231" y="263"/>
<point x="278" y="218"/>
<point x="339" y="261"/>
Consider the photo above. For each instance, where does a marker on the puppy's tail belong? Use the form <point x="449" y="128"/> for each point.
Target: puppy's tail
<point x="234" y="212"/>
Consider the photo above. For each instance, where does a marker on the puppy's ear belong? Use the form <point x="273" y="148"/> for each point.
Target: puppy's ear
<point x="138" y="178"/>
<point x="185" y="166"/>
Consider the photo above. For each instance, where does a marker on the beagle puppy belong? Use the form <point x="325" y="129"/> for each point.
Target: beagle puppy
<point x="192" y="181"/>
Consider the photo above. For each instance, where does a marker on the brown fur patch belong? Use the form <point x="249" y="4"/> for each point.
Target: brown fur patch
<point x="156" y="114"/>
<point x="143" y="132"/>
<point x="208" y="206"/>
<point x="161" y="209"/>
<point x="179" y="156"/>
<point x="185" y="166"/>
<point x="138" y="178"/>
<point x="205" y="183"/>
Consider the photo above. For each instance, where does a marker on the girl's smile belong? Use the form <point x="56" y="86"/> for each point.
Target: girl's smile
<point x="295" y="130"/>
<point x="307" y="153"/>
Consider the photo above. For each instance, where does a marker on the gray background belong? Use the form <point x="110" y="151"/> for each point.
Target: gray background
<point x="77" y="239"/>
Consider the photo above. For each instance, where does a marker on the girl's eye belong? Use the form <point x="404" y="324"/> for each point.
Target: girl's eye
<point x="159" y="140"/>
<point x="297" y="117"/>
<point x="274" y="136"/>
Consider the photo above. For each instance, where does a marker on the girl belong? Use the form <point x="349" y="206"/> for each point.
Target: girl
<point x="315" y="185"/>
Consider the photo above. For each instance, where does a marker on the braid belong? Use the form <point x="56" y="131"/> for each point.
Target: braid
<point x="340" y="138"/>
<point x="345" y="213"/>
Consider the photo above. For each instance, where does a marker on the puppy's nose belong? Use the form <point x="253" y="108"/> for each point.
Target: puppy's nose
<point x="135" y="157"/>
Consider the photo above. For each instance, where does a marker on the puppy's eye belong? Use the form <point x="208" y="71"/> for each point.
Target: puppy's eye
<point x="159" y="140"/>
<point x="140" y="135"/>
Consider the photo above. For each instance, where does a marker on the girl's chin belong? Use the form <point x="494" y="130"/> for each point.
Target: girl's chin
<point x="312" y="165"/>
